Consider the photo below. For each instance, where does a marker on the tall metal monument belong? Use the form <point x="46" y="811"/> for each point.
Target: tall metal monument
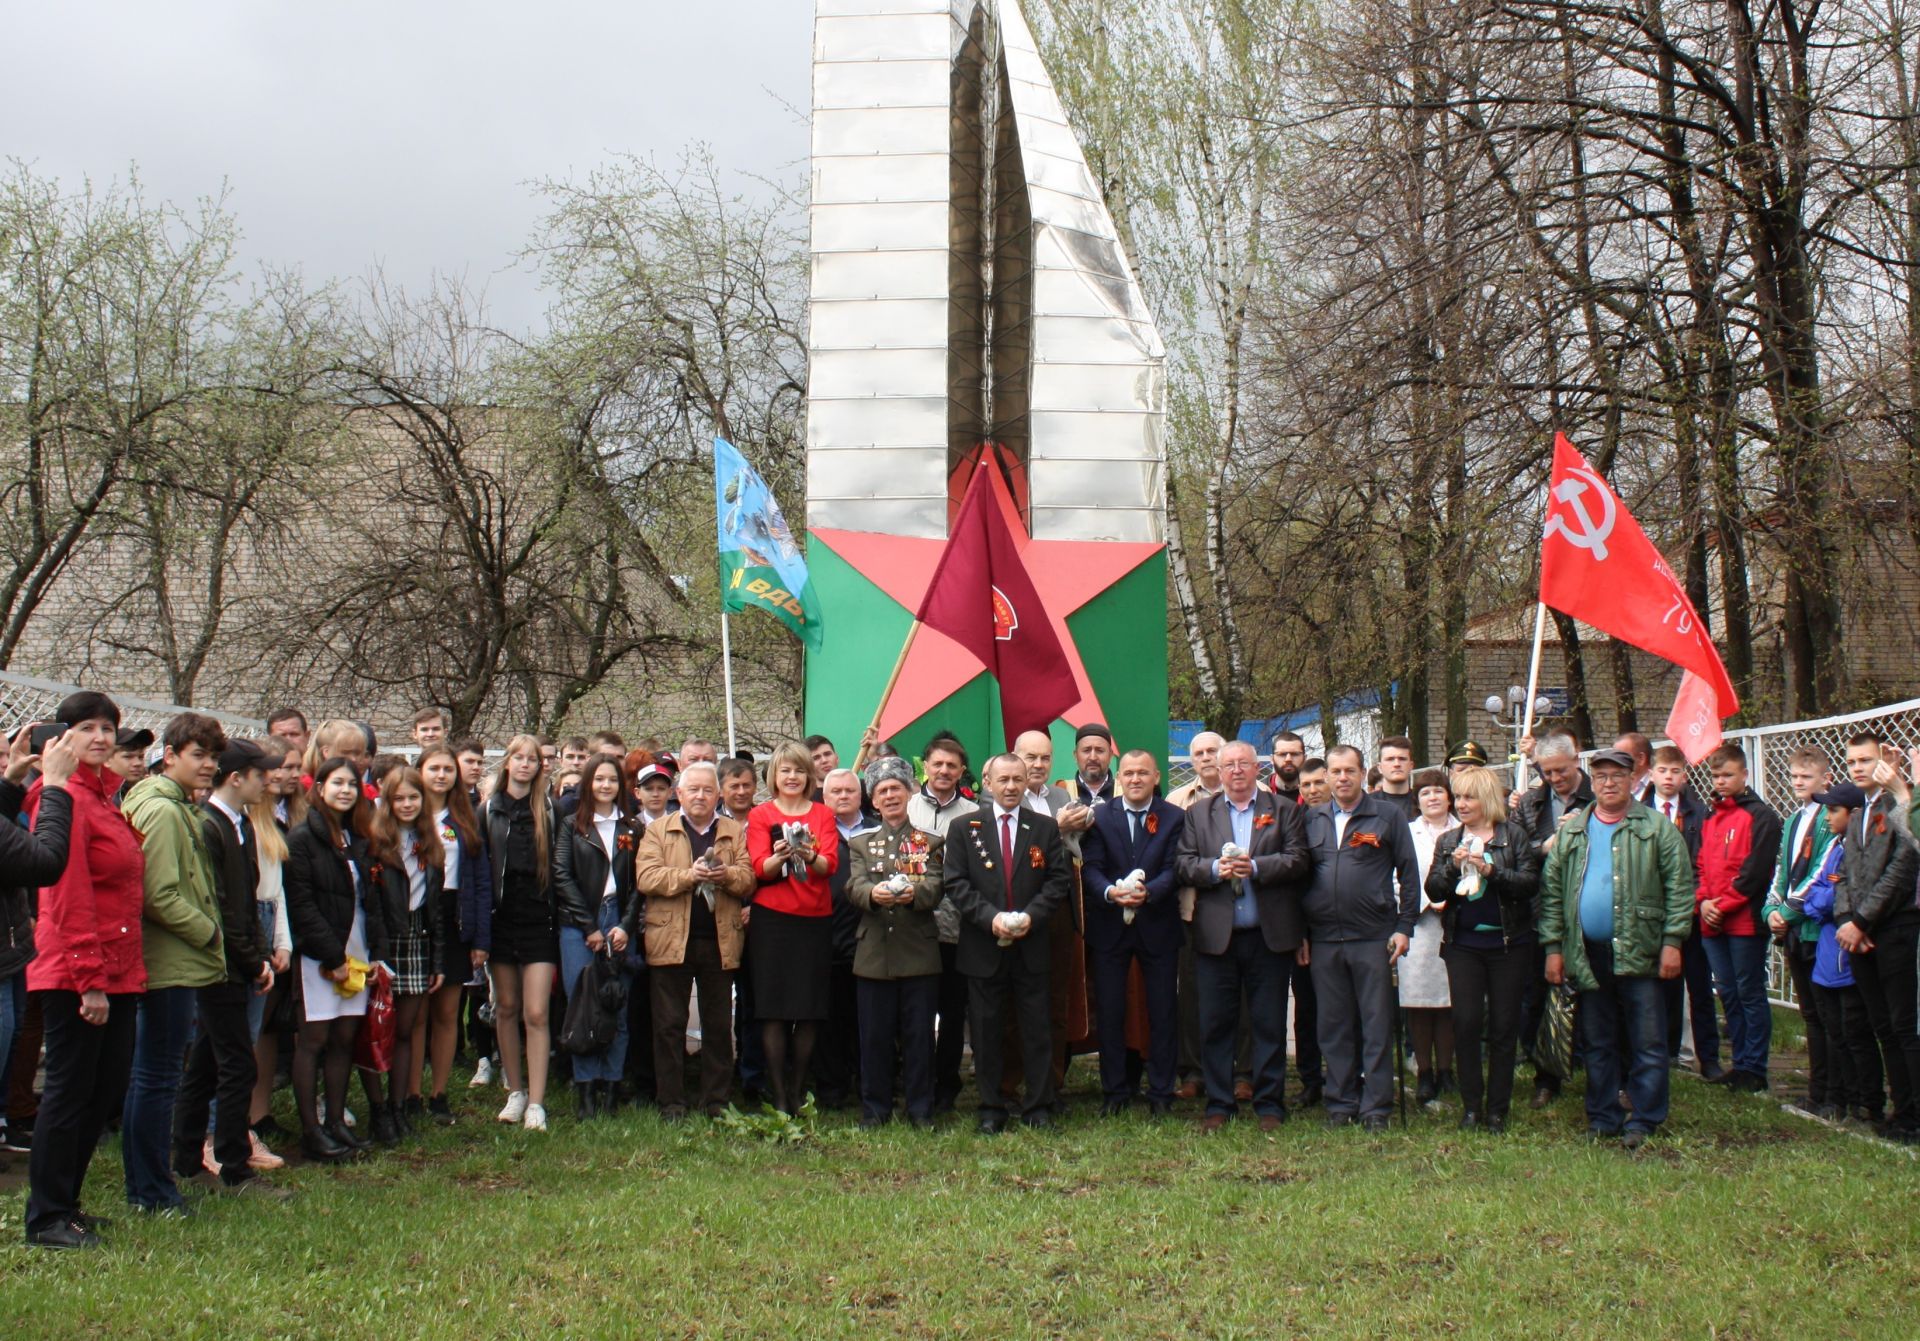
<point x="972" y="308"/>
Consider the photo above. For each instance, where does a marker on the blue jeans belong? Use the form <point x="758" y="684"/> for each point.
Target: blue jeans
<point x="257" y="1003"/>
<point x="1739" y="965"/>
<point x="146" y="1130"/>
<point x="1633" y="1009"/>
<point x="575" y="956"/>
<point x="13" y="1003"/>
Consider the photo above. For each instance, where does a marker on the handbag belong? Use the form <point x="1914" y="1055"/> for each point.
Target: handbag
<point x="373" y="1048"/>
<point x="594" y="1007"/>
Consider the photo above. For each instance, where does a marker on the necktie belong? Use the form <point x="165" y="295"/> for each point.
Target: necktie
<point x="1006" y="855"/>
<point x="1673" y="811"/>
<point x="1133" y="826"/>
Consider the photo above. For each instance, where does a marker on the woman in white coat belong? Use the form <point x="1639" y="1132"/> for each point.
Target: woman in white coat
<point x="1423" y="977"/>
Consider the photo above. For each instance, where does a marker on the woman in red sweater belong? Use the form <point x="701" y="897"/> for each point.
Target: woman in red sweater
<point x="89" y="972"/>
<point x="795" y="847"/>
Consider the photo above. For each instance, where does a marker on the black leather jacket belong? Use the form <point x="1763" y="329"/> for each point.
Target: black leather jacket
<point x="1514" y="881"/>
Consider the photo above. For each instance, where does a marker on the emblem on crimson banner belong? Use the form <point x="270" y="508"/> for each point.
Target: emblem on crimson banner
<point x="1005" y="620"/>
<point x="1591" y="535"/>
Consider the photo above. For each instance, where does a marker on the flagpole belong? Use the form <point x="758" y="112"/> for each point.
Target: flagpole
<point x="726" y="677"/>
<point x="1533" y="690"/>
<point x="870" y="737"/>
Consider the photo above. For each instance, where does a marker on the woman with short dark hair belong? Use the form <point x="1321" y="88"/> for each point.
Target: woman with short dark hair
<point x="89" y="971"/>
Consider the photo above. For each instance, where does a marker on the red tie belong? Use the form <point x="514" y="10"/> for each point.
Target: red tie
<point x="1673" y="811"/>
<point x="1006" y="854"/>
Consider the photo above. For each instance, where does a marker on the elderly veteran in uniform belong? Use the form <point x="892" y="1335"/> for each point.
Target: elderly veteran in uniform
<point x="691" y="874"/>
<point x="894" y="879"/>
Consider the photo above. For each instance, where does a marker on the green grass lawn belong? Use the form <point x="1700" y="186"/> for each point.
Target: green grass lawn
<point x="1739" y="1221"/>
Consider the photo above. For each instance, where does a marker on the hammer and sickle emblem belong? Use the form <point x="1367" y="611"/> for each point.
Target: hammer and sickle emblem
<point x="1590" y="534"/>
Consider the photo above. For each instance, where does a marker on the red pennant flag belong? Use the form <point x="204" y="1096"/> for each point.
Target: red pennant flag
<point x="1598" y="566"/>
<point x="983" y="599"/>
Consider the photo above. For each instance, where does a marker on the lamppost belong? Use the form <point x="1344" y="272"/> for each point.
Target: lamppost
<point x="1515" y="721"/>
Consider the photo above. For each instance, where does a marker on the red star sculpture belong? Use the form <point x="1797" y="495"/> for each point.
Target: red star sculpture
<point x="1067" y="574"/>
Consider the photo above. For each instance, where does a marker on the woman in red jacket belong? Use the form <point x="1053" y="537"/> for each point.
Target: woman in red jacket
<point x="88" y="975"/>
<point x="790" y="928"/>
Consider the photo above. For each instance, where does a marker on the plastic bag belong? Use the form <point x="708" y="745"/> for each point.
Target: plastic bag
<point x="373" y="1049"/>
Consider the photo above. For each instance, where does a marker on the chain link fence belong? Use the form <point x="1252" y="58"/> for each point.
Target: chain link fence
<point x="26" y="698"/>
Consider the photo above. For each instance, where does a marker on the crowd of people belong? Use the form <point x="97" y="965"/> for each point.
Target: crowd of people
<point x="188" y="917"/>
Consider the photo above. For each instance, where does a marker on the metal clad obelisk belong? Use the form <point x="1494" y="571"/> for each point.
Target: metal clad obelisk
<point x="972" y="307"/>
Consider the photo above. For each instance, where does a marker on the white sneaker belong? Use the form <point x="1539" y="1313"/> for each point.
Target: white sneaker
<point x="516" y="1107"/>
<point x="346" y="1118"/>
<point x="263" y="1158"/>
<point x="482" y="1074"/>
<point x="536" y="1119"/>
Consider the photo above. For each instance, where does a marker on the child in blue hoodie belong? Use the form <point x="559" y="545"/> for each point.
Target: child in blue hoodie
<point x="1851" y="1051"/>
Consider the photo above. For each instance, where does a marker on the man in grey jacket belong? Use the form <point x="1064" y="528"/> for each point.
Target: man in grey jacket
<point x="1361" y="907"/>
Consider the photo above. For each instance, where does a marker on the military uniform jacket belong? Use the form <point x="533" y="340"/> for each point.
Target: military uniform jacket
<point x="895" y="941"/>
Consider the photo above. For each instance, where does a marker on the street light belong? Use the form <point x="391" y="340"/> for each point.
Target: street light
<point x="1514" y="723"/>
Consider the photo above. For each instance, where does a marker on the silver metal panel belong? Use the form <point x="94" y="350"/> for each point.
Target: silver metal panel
<point x="1090" y="339"/>
<point x="883" y="226"/>
<point x="895" y="274"/>
<point x="888" y="421"/>
<point x="897" y="323"/>
<point x="885" y="472"/>
<point x="856" y="8"/>
<point x="924" y="517"/>
<point x="840" y="374"/>
<point x="1078" y="485"/>
<point x="881" y="84"/>
<point x="882" y="37"/>
<point x="1096" y="387"/>
<point x="863" y="130"/>
<point x="1099" y="435"/>
<point x="1133" y="526"/>
<point x="896" y="177"/>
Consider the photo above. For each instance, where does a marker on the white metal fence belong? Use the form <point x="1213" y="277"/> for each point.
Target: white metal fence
<point x="26" y="698"/>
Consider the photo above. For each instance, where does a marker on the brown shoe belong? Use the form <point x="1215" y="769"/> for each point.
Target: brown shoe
<point x="1243" y="1091"/>
<point x="1212" y="1123"/>
<point x="1271" y="1122"/>
<point x="1188" y="1090"/>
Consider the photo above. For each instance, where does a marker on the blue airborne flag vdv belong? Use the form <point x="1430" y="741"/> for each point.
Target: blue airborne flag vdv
<point x="761" y="567"/>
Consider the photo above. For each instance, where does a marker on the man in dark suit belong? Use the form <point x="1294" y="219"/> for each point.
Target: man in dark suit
<point x="1129" y="920"/>
<point x="1675" y="801"/>
<point x="1247" y="929"/>
<point x="1360" y="907"/>
<point x="1000" y="860"/>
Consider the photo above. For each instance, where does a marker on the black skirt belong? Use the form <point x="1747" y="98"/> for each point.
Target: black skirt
<point x="524" y="928"/>
<point x="791" y="960"/>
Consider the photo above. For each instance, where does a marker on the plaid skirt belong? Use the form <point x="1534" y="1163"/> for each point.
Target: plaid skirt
<point x="408" y="955"/>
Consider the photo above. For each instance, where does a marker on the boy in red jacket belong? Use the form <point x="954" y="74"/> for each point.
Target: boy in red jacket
<point x="1738" y="845"/>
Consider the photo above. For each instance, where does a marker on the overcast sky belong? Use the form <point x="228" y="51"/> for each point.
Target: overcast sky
<point x="403" y="132"/>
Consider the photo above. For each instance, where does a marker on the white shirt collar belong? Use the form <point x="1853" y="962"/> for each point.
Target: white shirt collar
<point x="239" y="827"/>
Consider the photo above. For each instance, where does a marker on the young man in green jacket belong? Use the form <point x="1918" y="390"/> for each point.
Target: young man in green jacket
<point x="181" y="941"/>
<point x="1617" y="901"/>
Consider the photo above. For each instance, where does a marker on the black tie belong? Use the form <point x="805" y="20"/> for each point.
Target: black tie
<point x="1133" y="827"/>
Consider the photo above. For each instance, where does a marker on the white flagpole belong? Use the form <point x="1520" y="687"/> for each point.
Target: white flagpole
<point x="726" y="676"/>
<point x="1533" y="690"/>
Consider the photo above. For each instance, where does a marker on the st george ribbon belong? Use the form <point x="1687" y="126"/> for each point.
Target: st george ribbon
<point x="972" y="309"/>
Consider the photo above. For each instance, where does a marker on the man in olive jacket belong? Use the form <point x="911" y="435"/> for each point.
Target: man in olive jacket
<point x="1616" y="906"/>
<point x="181" y="940"/>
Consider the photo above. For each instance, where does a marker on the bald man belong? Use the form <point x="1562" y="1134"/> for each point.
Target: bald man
<point x="1204" y="751"/>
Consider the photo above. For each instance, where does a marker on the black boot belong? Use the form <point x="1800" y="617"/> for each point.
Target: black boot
<point x="1427" y="1090"/>
<point x="603" y="1098"/>
<point x="583" y="1099"/>
<point x="317" y="1144"/>
<point x="413" y="1115"/>
<point x="385" y="1130"/>
<point x="347" y="1136"/>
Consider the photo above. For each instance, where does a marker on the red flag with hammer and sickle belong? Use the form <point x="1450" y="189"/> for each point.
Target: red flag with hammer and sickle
<point x="1598" y="566"/>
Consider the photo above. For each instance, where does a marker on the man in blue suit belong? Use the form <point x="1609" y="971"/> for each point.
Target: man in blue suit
<point x="1135" y="919"/>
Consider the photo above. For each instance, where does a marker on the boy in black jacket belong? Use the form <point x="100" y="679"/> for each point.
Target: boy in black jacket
<point x="222" y="1058"/>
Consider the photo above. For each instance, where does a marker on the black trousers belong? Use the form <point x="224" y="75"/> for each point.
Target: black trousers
<point x="1160" y="967"/>
<point x="951" y="1041"/>
<point x="896" y="1015"/>
<point x="640" y="1062"/>
<point x="87" y="1070"/>
<point x="1308" y="1062"/>
<point x="1245" y="984"/>
<point x="1821" y="1084"/>
<point x="1693" y="989"/>
<point x="837" y="1053"/>
<point x="220" y="1062"/>
<point x="1853" y="1059"/>
<point x="1025" y="991"/>
<point x="1486" y="987"/>
<point x="671" y="985"/>
<point x="1888" y="980"/>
